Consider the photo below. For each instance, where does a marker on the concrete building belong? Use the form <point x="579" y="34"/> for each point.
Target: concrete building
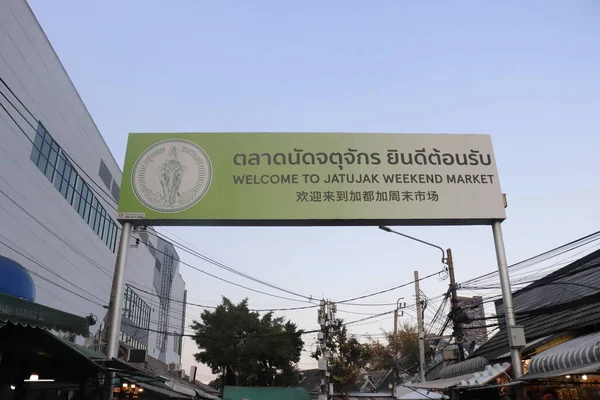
<point x="59" y="185"/>
<point x="475" y="332"/>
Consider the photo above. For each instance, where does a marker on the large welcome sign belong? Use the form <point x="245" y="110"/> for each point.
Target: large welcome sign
<point x="310" y="179"/>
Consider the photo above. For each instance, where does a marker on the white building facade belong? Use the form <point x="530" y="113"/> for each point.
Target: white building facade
<point x="59" y="186"/>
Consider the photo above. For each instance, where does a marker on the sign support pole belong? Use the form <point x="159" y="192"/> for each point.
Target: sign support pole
<point x="509" y="311"/>
<point x="115" y="305"/>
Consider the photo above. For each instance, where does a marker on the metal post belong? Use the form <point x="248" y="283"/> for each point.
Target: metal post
<point x="115" y="305"/>
<point x="509" y="312"/>
<point x="455" y="310"/>
<point x="421" y="331"/>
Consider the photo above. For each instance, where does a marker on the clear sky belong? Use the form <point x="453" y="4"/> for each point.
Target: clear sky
<point x="525" y="72"/>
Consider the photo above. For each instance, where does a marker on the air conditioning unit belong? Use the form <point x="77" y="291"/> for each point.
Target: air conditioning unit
<point x="174" y="367"/>
<point x="137" y="356"/>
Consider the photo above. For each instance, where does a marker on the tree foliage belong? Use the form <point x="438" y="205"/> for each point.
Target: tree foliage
<point x="401" y="350"/>
<point x="248" y="349"/>
<point x="349" y="356"/>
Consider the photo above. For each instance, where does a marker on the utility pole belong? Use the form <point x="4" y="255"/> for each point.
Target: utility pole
<point x="398" y="307"/>
<point x="395" y="367"/>
<point x="455" y="312"/>
<point x="421" y="330"/>
<point x="447" y="260"/>
<point x="327" y="319"/>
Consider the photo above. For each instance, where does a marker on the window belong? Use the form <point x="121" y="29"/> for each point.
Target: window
<point x="65" y="178"/>
<point x="77" y="194"/>
<point x="54" y="163"/>
<point x="105" y="174"/>
<point x="104" y="230"/>
<point x="84" y="196"/>
<point x="94" y="214"/>
<point x="136" y="309"/>
<point x="177" y="343"/>
<point x="45" y="151"/>
<point x="114" y="243"/>
<point x="128" y="340"/>
<point x="111" y="234"/>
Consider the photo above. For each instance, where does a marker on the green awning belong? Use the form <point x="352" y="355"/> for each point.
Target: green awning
<point x="22" y="312"/>
<point x="25" y="349"/>
<point x="132" y="374"/>
<point x="264" y="393"/>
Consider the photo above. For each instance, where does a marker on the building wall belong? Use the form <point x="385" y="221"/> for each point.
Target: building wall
<point x="71" y="264"/>
<point x="476" y="331"/>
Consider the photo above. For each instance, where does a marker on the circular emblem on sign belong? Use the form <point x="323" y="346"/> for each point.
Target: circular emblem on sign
<point x="171" y="176"/>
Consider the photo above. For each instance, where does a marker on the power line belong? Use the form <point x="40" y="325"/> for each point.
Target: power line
<point x="230" y="282"/>
<point x="302" y="332"/>
<point x="70" y="245"/>
<point x="545" y="255"/>
<point x="228" y="268"/>
<point x="48" y="280"/>
<point x="194" y="251"/>
<point x="71" y="160"/>
<point x="214" y="307"/>
<point x="189" y="250"/>
<point x="385" y="290"/>
<point x="181" y="246"/>
<point x="99" y="267"/>
<point x="368" y="318"/>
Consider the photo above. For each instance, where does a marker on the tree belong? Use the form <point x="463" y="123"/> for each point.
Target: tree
<point x="216" y="384"/>
<point x="248" y="349"/>
<point x="406" y="346"/>
<point x="401" y="350"/>
<point x="348" y="357"/>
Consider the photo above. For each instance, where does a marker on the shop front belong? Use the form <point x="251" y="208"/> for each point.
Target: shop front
<point x="571" y="370"/>
<point x="35" y="364"/>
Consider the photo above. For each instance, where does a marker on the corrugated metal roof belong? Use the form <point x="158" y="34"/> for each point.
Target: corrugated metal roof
<point x="576" y="352"/>
<point x="464" y="367"/>
<point x="566" y="300"/>
<point x="575" y="281"/>
<point x="479" y="378"/>
<point x="582" y="369"/>
<point x="531" y="344"/>
<point x="440" y="384"/>
<point x="406" y="393"/>
<point x="484" y="377"/>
